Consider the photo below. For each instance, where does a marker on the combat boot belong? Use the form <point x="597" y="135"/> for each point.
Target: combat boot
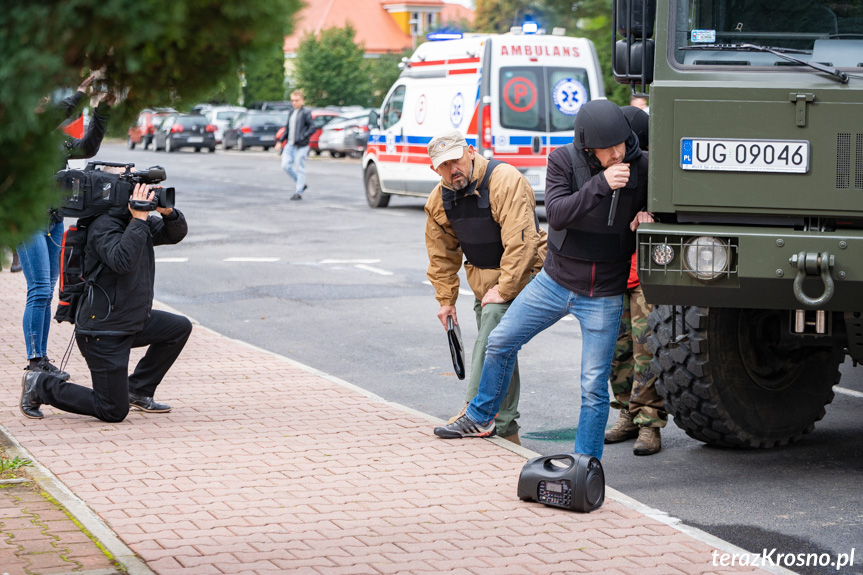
<point x="624" y="429"/>
<point x="512" y="438"/>
<point x="648" y="442"/>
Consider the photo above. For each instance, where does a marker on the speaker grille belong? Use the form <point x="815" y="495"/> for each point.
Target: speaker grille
<point x="843" y="161"/>
<point x="858" y="168"/>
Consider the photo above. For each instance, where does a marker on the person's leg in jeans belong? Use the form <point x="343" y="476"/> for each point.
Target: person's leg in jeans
<point x="166" y="334"/>
<point x="539" y="305"/>
<point x="300" y="155"/>
<point x="108" y="400"/>
<point x="288" y="153"/>
<point x="600" y="321"/>
<point x="487" y="318"/>
<point x="40" y="262"/>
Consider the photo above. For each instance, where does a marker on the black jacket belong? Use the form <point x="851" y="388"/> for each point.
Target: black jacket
<point x="565" y="206"/>
<point x="121" y="300"/>
<point x="304" y="129"/>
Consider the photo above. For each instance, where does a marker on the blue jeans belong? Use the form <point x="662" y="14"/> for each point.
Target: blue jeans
<point x="295" y="155"/>
<point x="40" y="262"/>
<point x="539" y="306"/>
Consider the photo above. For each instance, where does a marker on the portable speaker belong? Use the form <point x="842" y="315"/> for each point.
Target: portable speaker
<point x="578" y="485"/>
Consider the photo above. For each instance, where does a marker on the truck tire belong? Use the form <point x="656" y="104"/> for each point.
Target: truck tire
<point x="729" y="384"/>
<point x="375" y="196"/>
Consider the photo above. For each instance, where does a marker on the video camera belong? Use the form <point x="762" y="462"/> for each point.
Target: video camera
<point x="92" y="191"/>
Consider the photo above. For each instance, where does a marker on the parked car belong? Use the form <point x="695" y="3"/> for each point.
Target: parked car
<point x="185" y="131"/>
<point x="141" y="132"/>
<point x="252" y="128"/>
<point x="321" y="117"/>
<point x="348" y="135"/>
<point x="221" y="116"/>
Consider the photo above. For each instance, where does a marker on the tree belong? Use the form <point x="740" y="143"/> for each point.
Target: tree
<point x="264" y="75"/>
<point x="330" y="70"/>
<point x="383" y="72"/>
<point x="156" y="51"/>
<point x="500" y="15"/>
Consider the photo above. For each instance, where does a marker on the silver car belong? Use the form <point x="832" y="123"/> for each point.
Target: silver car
<point x="221" y="116"/>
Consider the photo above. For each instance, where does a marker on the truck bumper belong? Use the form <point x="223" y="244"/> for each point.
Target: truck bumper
<point x="759" y="268"/>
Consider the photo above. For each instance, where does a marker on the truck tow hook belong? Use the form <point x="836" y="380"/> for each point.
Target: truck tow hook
<point x="808" y="265"/>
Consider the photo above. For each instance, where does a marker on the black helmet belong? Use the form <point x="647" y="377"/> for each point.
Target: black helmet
<point x="639" y="121"/>
<point x="600" y="124"/>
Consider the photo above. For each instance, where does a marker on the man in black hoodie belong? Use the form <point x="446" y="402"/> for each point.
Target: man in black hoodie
<point x="117" y="315"/>
<point x="596" y="189"/>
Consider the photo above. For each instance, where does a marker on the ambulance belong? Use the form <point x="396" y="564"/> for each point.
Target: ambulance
<point x="513" y="96"/>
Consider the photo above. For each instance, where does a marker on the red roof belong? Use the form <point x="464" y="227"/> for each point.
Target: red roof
<point x="376" y="29"/>
<point x="455" y="12"/>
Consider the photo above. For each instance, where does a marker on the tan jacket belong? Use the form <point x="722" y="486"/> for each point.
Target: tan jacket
<point x="512" y="206"/>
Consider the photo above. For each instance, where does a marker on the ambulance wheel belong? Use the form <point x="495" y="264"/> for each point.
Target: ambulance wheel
<point x="734" y="380"/>
<point x="375" y="196"/>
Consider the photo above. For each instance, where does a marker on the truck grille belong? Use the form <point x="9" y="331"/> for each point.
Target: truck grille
<point x="844" y="165"/>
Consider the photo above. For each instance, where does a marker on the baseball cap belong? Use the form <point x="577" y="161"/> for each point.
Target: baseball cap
<point x="449" y="145"/>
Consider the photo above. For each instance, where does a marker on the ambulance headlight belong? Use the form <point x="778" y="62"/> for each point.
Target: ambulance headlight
<point x="706" y="258"/>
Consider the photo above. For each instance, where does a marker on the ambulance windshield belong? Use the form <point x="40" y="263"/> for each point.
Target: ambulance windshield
<point x="717" y="32"/>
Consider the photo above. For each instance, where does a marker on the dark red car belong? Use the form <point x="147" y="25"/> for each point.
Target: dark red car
<point x="320" y="117"/>
<point x="141" y="132"/>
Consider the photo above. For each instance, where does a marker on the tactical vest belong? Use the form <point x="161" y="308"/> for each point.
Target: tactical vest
<point x="591" y="238"/>
<point x="473" y="222"/>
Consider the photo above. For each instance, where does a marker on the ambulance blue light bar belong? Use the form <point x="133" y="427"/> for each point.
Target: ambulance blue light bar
<point x="530" y="27"/>
<point x="443" y="35"/>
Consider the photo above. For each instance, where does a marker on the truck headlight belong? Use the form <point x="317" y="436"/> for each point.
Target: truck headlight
<point x="662" y="254"/>
<point x="706" y="258"/>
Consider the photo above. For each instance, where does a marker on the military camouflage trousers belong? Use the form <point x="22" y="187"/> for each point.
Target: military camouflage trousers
<point x="632" y="383"/>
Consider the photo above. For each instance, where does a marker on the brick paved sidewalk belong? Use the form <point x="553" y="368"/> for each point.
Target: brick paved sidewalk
<point x="265" y="466"/>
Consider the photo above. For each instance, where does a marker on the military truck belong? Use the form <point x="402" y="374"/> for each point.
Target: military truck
<point x="755" y="263"/>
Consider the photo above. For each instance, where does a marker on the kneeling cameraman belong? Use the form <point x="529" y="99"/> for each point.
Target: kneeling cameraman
<point x="116" y="316"/>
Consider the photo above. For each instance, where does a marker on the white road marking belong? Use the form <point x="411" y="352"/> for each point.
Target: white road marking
<point x="845" y="391"/>
<point x="373" y="270"/>
<point x="171" y="260"/>
<point x="250" y="260"/>
<point x="461" y="290"/>
<point x="349" y="261"/>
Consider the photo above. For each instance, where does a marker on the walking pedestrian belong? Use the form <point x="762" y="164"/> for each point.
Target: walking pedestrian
<point x="596" y="190"/>
<point x="482" y="212"/>
<point x="295" y="143"/>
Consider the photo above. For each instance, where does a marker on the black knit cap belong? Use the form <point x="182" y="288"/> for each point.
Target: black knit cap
<point x="639" y="120"/>
<point x="600" y="124"/>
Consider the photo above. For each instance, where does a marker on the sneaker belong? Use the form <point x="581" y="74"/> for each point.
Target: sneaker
<point x="624" y="429"/>
<point x="16" y="265"/>
<point x="648" y="442"/>
<point x="459" y="414"/>
<point x="148" y="404"/>
<point x="296" y="197"/>
<point x="45" y="366"/>
<point x="464" y="427"/>
<point x="30" y="401"/>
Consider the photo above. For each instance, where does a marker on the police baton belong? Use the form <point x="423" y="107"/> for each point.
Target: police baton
<point x="613" y="210"/>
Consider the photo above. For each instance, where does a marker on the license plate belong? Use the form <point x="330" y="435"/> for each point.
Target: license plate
<point x="784" y="156"/>
<point x="196" y="140"/>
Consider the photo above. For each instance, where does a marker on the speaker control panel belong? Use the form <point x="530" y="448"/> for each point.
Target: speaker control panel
<point x="557" y="493"/>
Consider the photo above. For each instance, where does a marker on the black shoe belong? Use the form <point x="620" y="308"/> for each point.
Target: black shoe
<point x="148" y="404"/>
<point x="305" y="187"/>
<point x="46" y="366"/>
<point x="464" y="427"/>
<point x="296" y="197"/>
<point x="16" y="265"/>
<point x="30" y="401"/>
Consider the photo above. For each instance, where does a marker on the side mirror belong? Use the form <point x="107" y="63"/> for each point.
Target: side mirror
<point x="373" y="119"/>
<point x="635" y="18"/>
<point x="633" y="61"/>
